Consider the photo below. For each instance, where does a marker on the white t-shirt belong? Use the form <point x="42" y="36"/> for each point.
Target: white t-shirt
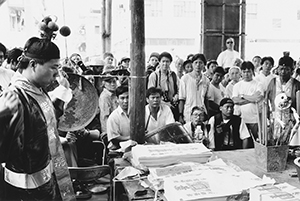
<point x="215" y="94"/>
<point x="227" y="58"/>
<point x="118" y="124"/>
<point x="248" y="111"/>
<point x="264" y="80"/>
<point x="164" y="117"/>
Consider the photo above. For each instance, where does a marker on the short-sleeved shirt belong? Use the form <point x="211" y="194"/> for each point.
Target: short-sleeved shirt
<point x="107" y="104"/>
<point x="244" y="133"/>
<point x="118" y="124"/>
<point x="163" y="81"/>
<point x="227" y="58"/>
<point x="192" y="95"/>
<point x="264" y="80"/>
<point x="164" y="117"/>
<point x="215" y="94"/>
<point x="229" y="89"/>
<point x="248" y="111"/>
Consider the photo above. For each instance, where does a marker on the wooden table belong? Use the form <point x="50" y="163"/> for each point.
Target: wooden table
<point x="244" y="159"/>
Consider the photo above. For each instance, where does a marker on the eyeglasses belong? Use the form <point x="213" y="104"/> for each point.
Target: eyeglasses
<point x="198" y="114"/>
<point x="229" y="42"/>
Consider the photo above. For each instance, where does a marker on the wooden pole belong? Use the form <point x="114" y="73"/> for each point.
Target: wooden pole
<point x="224" y="36"/>
<point x="243" y="29"/>
<point x="64" y="18"/>
<point x="108" y="23"/>
<point x="203" y="27"/>
<point x="138" y="80"/>
<point x="103" y="35"/>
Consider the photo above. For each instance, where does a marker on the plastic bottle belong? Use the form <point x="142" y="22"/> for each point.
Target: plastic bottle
<point x="198" y="134"/>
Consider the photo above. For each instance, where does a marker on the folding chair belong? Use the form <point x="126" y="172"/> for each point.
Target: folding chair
<point x="88" y="177"/>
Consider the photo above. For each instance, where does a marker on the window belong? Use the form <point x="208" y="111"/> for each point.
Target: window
<point x="184" y="8"/>
<point x="16" y="18"/>
<point x="97" y="29"/>
<point x="153" y="8"/>
<point x="251" y="11"/>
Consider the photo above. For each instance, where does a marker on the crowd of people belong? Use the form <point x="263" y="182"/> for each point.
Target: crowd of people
<point x="216" y="101"/>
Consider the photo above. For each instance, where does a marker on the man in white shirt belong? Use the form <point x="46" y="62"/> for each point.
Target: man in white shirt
<point x="193" y="89"/>
<point x="157" y="114"/>
<point x="179" y="67"/>
<point x="227" y="58"/>
<point x="247" y="93"/>
<point x="107" y="100"/>
<point x="265" y="76"/>
<point x="257" y="62"/>
<point x="215" y="91"/>
<point x="118" y="123"/>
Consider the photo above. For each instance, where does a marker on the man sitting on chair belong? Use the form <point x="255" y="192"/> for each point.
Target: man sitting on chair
<point x="227" y="131"/>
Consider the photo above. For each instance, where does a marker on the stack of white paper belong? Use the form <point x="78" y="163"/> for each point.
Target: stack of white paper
<point x="168" y="154"/>
<point x="158" y="174"/>
<point x="209" y="185"/>
<point x="277" y="192"/>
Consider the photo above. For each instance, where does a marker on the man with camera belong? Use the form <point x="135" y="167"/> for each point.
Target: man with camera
<point x="167" y="81"/>
<point x="77" y="64"/>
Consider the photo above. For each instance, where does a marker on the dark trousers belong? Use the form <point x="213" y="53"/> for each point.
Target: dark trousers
<point x="253" y="130"/>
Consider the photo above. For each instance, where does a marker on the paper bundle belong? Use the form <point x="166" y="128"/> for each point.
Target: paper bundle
<point x="158" y="174"/>
<point x="168" y="154"/>
<point x="209" y="185"/>
<point x="278" y="192"/>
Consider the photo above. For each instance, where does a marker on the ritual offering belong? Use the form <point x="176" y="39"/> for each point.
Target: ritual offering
<point x="276" y="130"/>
